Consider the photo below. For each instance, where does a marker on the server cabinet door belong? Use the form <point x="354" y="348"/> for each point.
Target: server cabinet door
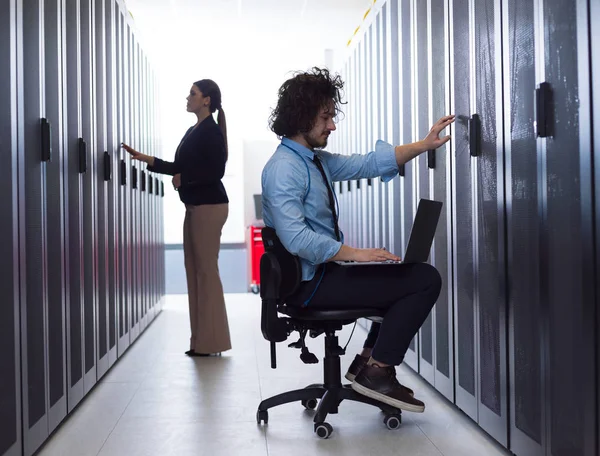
<point x="10" y="381"/>
<point x="408" y="170"/>
<point x="479" y="207"/>
<point x="99" y="62"/>
<point x="55" y="212"/>
<point x="489" y="236"/>
<point x="361" y="185"/>
<point x="112" y="170"/>
<point x="395" y="103"/>
<point x="90" y="227"/>
<point x="369" y="112"/>
<point x="134" y="194"/>
<point x="462" y="215"/>
<point x="595" y="61"/>
<point x="421" y="74"/>
<point x="353" y="102"/>
<point x="526" y="348"/>
<point x="34" y="300"/>
<point x="75" y="149"/>
<point x="439" y="168"/>
<point x="567" y="256"/>
<point x="382" y="123"/>
<point x="143" y="226"/>
<point x="125" y="183"/>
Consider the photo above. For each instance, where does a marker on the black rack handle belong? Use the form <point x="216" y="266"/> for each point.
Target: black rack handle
<point x="46" y="141"/>
<point x="349" y="186"/>
<point x="82" y="156"/>
<point x="475" y="135"/>
<point x="123" y="173"/>
<point x="402" y="170"/>
<point x="143" y="179"/>
<point x="150" y="184"/>
<point x="544" y="100"/>
<point x="107" y="167"/>
<point x="156" y="187"/>
<point x="431" y="159"/>
<point x="369" y="182"/>
<point x="162" y="189"/>
<point x="134" y="177"/>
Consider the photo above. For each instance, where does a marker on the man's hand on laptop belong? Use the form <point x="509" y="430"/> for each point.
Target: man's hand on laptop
<point x="347" y="253"/>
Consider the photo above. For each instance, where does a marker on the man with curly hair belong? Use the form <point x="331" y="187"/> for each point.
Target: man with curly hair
<point x="298" y="202"/>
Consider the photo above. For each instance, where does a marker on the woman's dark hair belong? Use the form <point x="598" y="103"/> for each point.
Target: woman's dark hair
<point x="209" y="88"/>
<point x="301" y="98"/>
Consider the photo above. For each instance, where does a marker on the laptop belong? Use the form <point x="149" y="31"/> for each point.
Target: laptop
<point x="421" y="236"/>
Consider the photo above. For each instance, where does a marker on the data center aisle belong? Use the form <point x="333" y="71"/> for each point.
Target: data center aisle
<point x="157" y="401"/>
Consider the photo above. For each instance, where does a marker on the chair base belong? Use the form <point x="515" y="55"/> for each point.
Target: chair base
<point x="331" y="393"/>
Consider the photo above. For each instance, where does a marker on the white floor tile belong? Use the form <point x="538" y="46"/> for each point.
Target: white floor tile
<point x="157" y="401"/>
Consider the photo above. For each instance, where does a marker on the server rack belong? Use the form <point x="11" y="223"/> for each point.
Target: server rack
<point x="10" y="381"/>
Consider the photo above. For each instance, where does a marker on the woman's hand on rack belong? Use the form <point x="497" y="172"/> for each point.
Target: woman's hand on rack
<point x="138" y="155"/>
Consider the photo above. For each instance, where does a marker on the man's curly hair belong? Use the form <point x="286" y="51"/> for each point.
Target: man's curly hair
<point x="301" y="98"/>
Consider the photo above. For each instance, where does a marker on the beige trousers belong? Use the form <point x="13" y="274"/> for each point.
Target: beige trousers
<point x="201" y="243"/>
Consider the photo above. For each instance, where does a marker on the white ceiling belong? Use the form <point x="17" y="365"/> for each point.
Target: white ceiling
<point x="326" y="23"/>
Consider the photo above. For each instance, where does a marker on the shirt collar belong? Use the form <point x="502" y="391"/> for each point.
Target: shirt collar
<point x="299" y="148"/>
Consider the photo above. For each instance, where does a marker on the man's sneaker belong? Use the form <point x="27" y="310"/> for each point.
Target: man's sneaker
<point x="356" y="366"/>
<point x="380" y="383"/>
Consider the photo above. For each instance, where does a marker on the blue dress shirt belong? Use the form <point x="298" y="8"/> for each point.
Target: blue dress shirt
<point x="295" y="199"/>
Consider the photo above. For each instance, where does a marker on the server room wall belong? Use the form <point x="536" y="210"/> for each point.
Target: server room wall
<point x="78" y="218"/>
<point x="515" y="327"/>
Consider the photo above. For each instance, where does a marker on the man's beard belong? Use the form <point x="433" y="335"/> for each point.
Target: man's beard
<point x="315" y="143"/>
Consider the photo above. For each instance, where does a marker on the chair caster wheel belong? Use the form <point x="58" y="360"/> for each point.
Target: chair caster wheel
<point x="309" y="404"/>
<point x="323" y="430"/>
<point x="262" y="416"/>
<point x="254" y="288"/>
<point x="392" y="421"/>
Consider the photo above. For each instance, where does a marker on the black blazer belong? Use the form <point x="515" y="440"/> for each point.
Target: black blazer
<point x="200" y="159"/>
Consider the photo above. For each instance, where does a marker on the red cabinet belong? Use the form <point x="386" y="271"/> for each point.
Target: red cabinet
<point x="255" y="252"/>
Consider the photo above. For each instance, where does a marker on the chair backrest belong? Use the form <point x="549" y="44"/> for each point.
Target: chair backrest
<point x="280" y="276"/>
<point x="290" y="264"/>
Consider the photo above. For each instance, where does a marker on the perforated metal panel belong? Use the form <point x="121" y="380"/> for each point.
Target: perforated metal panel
<point x="421" y="106"/>
<point x="101" y="185"/>
<point x="568" y="296"/>
<point x="89" y="194"/>
<point x="489" y="296"/>
<point x="465" y="324"/>
<point x="407" y="126"/>
<point x="9" y="266"/>
<point x="113" y="186"/>
<point x="74" y="198"/>
<point x="33" y="304"/>
<point x="523" y="225"/>
<point x="439" y="71"/>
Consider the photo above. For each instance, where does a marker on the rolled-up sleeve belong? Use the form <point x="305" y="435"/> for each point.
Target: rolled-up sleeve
<point x="284" y="188"/>
<point x="379" y="163"/>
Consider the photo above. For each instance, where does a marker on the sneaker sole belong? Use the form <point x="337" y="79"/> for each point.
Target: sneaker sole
<point x="386" y="399"/>
<point x="350" y="377"/>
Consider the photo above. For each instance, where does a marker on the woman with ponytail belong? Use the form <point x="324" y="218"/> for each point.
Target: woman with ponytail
<point x="197" y="171"/>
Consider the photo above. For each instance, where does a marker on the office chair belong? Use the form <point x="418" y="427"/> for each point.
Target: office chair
<point x="280" y="276"/>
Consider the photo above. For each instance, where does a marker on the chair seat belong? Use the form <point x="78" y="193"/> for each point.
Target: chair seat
<point x="306" y="313"/>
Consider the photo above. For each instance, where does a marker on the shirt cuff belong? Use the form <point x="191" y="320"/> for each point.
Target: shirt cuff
<point x="331" y="251"/>
<point x="385" y="156"/>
